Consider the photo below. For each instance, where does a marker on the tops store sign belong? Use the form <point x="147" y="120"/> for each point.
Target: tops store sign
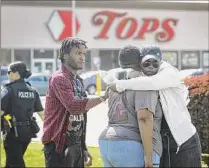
<point x="132" y="27"/>
<point x="121" y="24"/>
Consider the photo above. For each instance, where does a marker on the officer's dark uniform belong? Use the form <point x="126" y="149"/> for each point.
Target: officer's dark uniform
<point x="19" y="100"/>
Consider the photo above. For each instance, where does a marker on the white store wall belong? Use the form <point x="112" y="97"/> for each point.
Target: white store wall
<point x="26" y="27"/>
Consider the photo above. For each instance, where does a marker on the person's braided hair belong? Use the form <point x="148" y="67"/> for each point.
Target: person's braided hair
<point x="129" y="56"/>
<point x="68" y="44"/>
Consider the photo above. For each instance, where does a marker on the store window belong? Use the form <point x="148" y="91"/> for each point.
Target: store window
<point x="58" y="65"/>
<point x="23" y="55"/>
<point x="87" y="66"/>
<point x="190" y="59"/>
<point x="109" y="59"/>
<point x="42" y="53"/>
<point x="106" y="59"/>
<point x="5" y="58"/>
<point x="38" y="67"/>
<point x="115" y="63"/>
<point x="171" y="57"/>
<point x="205" y="60"/>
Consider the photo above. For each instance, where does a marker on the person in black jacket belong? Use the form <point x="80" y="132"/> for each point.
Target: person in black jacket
<point x="18" y="103"/>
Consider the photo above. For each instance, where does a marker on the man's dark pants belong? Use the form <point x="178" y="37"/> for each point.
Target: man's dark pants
<point x="15" y="151"/>
<point x="189" y="154"/>
<point x="73" y="157"/>
<point x="53" y="158"/>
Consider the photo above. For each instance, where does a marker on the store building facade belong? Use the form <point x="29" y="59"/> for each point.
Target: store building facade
<point x="34" y="34"/>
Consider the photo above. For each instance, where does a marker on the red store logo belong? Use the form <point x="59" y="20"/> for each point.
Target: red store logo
<point x="60" y="24"/>
<point x="164" y="31"/>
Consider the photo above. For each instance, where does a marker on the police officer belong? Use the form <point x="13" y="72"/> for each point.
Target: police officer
<point x="18" y="102"/>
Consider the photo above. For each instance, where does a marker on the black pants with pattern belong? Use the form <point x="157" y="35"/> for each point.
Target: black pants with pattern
<point x="52" y="157"/>
<point x="72" y="156"/>
<point x="189" y="154"/>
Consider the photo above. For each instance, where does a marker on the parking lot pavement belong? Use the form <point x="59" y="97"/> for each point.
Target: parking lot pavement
<point x="97" y="121"/>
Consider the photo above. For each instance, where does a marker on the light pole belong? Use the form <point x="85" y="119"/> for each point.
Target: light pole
<point x="97" y="63"/>
<point x="73" y="18"/>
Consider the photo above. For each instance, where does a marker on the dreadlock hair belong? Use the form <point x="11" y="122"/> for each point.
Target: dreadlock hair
<point x="129" y="56"/>
<point x="151" y="50"/>
<point x="68" y="44"/>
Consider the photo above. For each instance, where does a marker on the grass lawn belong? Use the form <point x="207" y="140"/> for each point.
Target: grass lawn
<point x="34" y="157"/>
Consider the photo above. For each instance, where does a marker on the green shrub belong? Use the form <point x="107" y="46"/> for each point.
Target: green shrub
<point x="199" y="108"/>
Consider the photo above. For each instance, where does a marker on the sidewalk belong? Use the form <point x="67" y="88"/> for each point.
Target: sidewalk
<point x="97" y="121"/>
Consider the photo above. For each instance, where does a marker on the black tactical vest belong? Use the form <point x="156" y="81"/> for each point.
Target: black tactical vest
<point x="23" y="99"/>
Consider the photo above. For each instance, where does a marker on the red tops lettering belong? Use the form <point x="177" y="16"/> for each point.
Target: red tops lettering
<point x="130" y="27"/>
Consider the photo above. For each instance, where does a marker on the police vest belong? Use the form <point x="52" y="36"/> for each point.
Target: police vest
<point x="23" y="99"/>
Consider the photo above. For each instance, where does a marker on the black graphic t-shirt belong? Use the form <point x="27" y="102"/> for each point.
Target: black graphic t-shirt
<point x="76" y="122"/>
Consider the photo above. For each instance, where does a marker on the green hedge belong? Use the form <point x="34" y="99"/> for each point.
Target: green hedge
<point x="199" y="108"/>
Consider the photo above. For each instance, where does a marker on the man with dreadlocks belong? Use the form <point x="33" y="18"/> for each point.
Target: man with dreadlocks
<point x="65" y="110"/>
